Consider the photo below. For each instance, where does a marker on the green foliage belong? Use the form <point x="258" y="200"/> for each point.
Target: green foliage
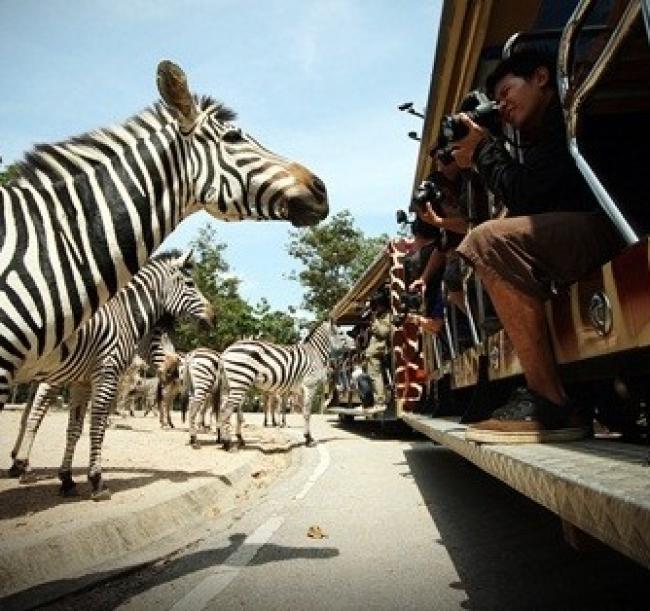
<point x="8" y="174"/>
<point x="334" y="255"/>
<point x="235" y="318"/>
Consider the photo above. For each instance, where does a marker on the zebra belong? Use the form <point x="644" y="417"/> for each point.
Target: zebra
<point x="95" y="357"/>
<point x="85" y="214"/>
<point x="201" y="379"/>
<point x="276" y="369"/>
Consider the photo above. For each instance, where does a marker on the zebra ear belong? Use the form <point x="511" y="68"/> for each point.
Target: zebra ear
<point x="172" y="85"/>
<point x="185" y="260"/>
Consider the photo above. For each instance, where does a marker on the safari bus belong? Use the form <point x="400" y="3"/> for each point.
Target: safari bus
<point x="599" y="326"/>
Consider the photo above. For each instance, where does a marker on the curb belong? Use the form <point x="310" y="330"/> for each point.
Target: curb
<point x="33" y="574"/>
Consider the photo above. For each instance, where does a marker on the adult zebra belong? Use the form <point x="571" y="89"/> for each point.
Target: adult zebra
<point x="273" y="368"/>
<point x="94" y="358"/>
<point x="86" y="214"/>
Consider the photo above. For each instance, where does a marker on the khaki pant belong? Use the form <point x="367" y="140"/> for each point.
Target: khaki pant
<point x="375" y="369"/>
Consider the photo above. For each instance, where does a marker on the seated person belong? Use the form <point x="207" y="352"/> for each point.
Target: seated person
<point x="554" y="235"/>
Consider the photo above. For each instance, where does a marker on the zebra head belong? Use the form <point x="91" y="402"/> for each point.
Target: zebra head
<point x="182" y="296"/>
<point x="231" y="175"/>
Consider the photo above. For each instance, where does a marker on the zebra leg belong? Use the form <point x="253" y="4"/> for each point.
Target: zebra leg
<point x="104" y="392"/>
<point x="232" y="402"/>
<point x="308" y="395"/>
<point x="240" y="421"/>
<point x="6" y="381"/>
<point x="35" y="412"/>
<point x="23" y="427"/>
<point x="79" y="394"/>
<point x="277" y="402"/>
<point x="194" y="409"/>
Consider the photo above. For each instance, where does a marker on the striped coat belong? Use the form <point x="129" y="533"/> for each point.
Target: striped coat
<point x="92" y="361"/>
<point x="275" y="369"/>
<point x="87" y="213"/>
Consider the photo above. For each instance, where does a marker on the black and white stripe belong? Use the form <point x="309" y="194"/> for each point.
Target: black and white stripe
<point x="201" y="379"/>
<point x="87" y="213"/>
<point x="273" y="368"/>
<point x="93" y="359"/>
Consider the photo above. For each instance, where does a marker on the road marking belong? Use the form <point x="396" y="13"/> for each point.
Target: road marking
<point x="208" y="589"/>
<point x="323" y="463"/>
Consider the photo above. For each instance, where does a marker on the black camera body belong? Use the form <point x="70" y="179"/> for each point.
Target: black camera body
<point x="485" y="115"/>
<point x="410" y="302"/>
<point x="480" y="109"/>
<point x="427" y="192"/>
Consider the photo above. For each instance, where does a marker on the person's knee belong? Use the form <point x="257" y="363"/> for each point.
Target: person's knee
<point x="483" y="238"/>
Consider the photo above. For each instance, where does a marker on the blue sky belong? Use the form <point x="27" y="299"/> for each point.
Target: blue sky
<point x="315" y="81"/>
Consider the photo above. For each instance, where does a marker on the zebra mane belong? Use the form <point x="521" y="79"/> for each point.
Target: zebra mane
<point x="36" y="168"/>
<point x="313" y="330"/>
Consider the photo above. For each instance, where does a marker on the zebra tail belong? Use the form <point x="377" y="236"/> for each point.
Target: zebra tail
<point x="188" y="388"/>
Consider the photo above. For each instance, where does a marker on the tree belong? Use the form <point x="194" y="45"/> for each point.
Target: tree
<point x="275" y="326"/>
<point x="334" y="255"/>
<point x="8" y="174"/>
<point x="235" y="317"/>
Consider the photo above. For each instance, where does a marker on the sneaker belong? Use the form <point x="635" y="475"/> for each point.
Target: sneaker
<point x="528" y="417"/>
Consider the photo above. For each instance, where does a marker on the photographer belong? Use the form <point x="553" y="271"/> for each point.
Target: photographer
<point x="551" y="238"/>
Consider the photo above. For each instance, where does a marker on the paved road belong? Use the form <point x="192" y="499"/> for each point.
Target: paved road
<point x="409" y="525"/>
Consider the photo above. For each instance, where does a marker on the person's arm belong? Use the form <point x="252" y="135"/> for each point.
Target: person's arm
<point x="457" y="224"/>
<point x="436" y="261"/>
<point x="524" y="188"/>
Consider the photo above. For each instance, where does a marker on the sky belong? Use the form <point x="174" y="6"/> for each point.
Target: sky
<point x="317" y="81"/>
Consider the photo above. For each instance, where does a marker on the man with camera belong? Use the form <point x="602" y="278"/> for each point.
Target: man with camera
<point x="553" y="235"/>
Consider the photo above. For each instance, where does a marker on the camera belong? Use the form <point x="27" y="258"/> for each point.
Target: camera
<point x="480" y="109"/>
<point x="427" y="192"/>
<point x="485" y="114"/>
<point x="409" y="302"/>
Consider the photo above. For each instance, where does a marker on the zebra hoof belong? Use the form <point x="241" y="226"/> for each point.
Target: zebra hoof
<point x="28" y="477"/>
<point x="309" y="441"/>
<point x="229" y="446"/>
<point x="17" y="468"/>
<point x="195" y="445"/>
<point x="101" y="495"/>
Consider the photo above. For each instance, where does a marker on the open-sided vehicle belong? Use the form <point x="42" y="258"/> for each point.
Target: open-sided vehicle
<point x="600" y="326"/>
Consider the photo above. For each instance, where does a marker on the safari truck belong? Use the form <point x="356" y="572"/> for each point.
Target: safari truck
<point x="599" y="326"/>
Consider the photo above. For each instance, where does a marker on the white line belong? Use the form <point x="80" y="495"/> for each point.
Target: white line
<point x="318" y="471"/>
<point x="208" y="589"/>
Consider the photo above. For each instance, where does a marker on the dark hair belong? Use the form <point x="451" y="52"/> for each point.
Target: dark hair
<point x="380" y="298"/>
<point x="524" y="64"/>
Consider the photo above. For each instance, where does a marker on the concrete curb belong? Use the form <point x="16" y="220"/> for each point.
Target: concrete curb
<point x="38" y="572"/>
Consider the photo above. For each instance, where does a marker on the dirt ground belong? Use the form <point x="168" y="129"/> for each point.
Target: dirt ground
<point x="142" y="466"/>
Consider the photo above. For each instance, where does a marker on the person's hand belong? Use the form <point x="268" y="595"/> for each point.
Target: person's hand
<point x="417" y="284"/>
<point x="415" y="319"/>
<point x="429" y="215"/>
<point x="463" y="151"/>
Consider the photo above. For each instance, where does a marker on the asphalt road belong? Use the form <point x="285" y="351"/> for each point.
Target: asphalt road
<point x="407" y="525"/>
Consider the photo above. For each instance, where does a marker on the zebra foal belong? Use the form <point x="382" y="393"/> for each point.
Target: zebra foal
<point x="85" y="214"/>
<point x="92" y="361"/>
<point x="274" y="369"/>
